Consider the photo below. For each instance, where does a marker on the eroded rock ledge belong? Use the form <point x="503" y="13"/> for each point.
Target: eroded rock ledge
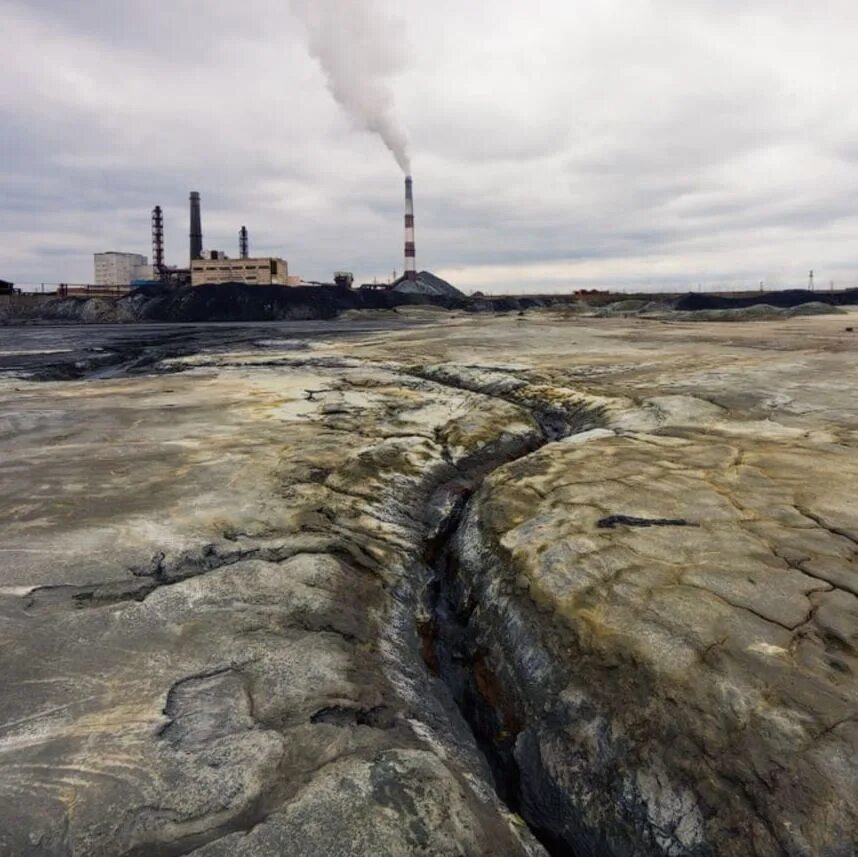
<point x="262" y="693"/>
<point x="679" y="689"/>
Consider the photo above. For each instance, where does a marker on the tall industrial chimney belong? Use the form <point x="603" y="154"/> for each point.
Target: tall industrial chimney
<point x="410" y="265"/>
<point x="196" y="227"/>
<point x="158" y="243"/>
<point x="242" y="242"/>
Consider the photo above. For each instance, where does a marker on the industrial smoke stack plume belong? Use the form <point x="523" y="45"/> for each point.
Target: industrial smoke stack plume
<point x="359" y="48"/>
<point x="196" y="227"/>
<point x="410" y="263"/>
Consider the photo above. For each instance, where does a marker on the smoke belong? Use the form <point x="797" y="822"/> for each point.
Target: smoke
<point x="359" y="47"/>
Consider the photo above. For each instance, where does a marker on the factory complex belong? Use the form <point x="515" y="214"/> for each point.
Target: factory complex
<point x="118" y="272"/>
<point x="115" y="269"/>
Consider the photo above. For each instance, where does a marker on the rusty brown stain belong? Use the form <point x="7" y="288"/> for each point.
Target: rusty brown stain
<point x="492" y="692"/>
<point x="428" y="631"/>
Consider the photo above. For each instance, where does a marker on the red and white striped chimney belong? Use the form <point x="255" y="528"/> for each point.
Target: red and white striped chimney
<point x="410" y="265"/>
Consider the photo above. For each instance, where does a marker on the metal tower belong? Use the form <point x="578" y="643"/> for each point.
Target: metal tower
<point x="242" y="242"/>
<point x="158" y="243"/>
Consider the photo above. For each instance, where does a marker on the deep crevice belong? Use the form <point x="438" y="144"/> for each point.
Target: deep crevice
<point x="451" y="651"/>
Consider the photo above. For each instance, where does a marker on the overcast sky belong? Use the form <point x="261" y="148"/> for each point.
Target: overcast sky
<point x="556" y="144"/>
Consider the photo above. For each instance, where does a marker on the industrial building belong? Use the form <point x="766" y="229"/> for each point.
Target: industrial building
<point x="206" y="268"/>
<point x="262" y="271"/>
<point x="217" y="268"/>
<point x="120" y="269"/>
<point x="116" y="270"/>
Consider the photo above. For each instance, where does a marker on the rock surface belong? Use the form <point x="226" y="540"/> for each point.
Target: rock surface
<point x="240" y="595"/>
<point x="675" y="618"/>
<point x="209" y="581"/>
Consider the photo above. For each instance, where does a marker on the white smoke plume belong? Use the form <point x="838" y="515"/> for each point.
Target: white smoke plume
<point x="359" y="47"/>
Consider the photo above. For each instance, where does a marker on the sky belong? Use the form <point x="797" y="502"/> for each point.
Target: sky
<point x="555" y="144"/>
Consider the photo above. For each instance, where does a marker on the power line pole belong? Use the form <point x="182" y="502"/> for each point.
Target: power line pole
<point x="810" y="281"/>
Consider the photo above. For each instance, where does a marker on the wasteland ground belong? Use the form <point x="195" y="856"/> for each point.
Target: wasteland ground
<point x="443" y="584"/>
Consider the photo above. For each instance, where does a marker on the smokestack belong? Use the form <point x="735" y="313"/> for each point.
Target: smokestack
<point x="158" y="242"/>
<point x="196" y="227"/>
<point x="410" y="265"/>
<point x="242" y="242"/>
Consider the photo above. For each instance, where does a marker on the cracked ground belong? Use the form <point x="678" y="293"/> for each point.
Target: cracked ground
<point x="213" y="576"/>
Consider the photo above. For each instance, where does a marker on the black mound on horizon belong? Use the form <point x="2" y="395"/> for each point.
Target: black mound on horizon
<point x="784" y="299"/>
<point x="240" y="302"/>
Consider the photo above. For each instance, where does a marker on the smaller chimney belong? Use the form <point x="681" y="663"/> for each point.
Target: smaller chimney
<point x="196" y="227"/>
<point x="158" y="243"/>
<point x="410" y="264"/>
<point x="242" y="242"/>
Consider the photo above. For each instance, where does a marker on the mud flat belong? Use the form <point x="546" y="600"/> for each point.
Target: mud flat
<point x="482" y="585"/>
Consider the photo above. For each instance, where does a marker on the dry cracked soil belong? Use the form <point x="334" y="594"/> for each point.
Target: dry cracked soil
<point x="512" y="585"/>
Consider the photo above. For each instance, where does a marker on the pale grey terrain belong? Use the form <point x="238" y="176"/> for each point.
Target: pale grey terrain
<point x="445" y="586"/>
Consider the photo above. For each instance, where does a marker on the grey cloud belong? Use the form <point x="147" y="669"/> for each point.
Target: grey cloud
<point x="555" y="145"/>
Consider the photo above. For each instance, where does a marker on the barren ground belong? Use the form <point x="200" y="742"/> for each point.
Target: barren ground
<point x="449" y="585"/>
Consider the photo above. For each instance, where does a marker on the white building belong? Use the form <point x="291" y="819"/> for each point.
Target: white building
<point x="121" y="269"/>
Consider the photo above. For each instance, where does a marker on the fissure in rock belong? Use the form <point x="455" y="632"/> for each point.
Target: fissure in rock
<point x="451" y="650"/>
